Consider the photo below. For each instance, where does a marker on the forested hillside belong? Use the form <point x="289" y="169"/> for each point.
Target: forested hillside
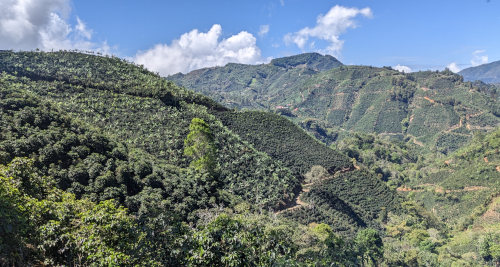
<point x="430" y="136"/>
<point x="436" y="110"/>
<point x="104" y="162"/>
<point x="255" y="86"/>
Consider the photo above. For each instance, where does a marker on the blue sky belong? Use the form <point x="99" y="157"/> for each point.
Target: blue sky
<point x="172" y="36"/>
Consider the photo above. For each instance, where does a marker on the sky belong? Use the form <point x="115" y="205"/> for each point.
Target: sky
<point x="179" y="36"/>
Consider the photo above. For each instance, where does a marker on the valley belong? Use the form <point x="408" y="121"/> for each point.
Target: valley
<point x="302" y="161"/>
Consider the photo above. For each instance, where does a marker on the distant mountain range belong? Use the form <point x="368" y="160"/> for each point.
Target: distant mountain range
<point x="434" y="109"/>
<point x="488" y="73"/>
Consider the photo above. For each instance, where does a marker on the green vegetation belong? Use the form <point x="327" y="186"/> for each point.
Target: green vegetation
<point x="437" y="110"/>
<point x="153" y="137"/>
<point x="199" y="145"/>
<point x="464" y="181"/>
<point x="347" y="210"/>
<point x="259" y="86"/>
<point x="111" y="146"/>
<point x="390" y="160"/>
<point x="46" y="225"/>
<point x="283" y="140"/>
<point x="105" y="163"/>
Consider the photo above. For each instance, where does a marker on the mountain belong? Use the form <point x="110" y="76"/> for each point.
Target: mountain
<point x="488" y="73"/>
<point x="91" y="142"/>
<point x="312" y="61"/>
<point x="105" y="163"/>
<point x="436" y="110"/>
<point x="255" y="86"/>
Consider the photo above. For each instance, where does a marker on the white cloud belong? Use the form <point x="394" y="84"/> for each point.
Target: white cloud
<point x="402" y="68"/>
<point x="30" y="24"/>
<point x="82" y="29"/>
<point x="453" y="67"/>
<point x="478" y="58"/>
<point x="194" y="50"/>
<point x="329" y="27"/>
<point x="264" y="29"/>
<point x="282" y="2"/>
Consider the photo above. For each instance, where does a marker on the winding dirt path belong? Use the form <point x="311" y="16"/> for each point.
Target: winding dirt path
<point x="307" y="187"/>
<point x="429" y="99"/>
<point x="298" y="201"/>
<point x="493" y="211"/>
<point x="415" y="141"/>
<point x="440" y="189"/>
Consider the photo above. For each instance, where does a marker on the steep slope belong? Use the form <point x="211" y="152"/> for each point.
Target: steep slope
<point x="100" y="128"/>
<point x="283" y="140"/>
<point x="153" y="126"/>
<point x="463" y="191"/>
<point x="433" y="109"/>
<point x="262" y="158"/>
<point x="93" y="163"/>
<point x="488" y="73"/>
<point x="364" y="204"/>
<point x="457" y="185"/>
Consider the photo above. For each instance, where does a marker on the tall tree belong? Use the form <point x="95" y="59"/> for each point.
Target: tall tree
<point x="199" y="145"/>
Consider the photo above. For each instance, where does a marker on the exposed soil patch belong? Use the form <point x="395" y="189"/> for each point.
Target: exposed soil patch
<point x="440" y="189"/>
<point x="493" y="212"/>
<point x="429" y="99"/>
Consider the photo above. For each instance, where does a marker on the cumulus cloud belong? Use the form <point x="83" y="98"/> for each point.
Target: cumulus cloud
<point x="478" y="58"/>
<point x="30" y="24"/>
<point x="194" y="50"/>
<point x="453" y="67"/>
<point x="264" y="29"/>
<point x="329" y="27"/>
<point x="402" y="68"/>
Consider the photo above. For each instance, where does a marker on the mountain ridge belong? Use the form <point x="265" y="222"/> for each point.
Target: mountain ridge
<point x="360" y="98"/>
<point x="488" y="73"/>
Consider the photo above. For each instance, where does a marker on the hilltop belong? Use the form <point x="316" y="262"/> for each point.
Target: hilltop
<point x="255" y="86"/>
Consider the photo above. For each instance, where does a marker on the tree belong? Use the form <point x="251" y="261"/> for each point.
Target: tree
<point x="199" y="145"/>
<point x="370" y="246"/>
<point x="41" y="223"/>
<point x="236" y="241"/>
